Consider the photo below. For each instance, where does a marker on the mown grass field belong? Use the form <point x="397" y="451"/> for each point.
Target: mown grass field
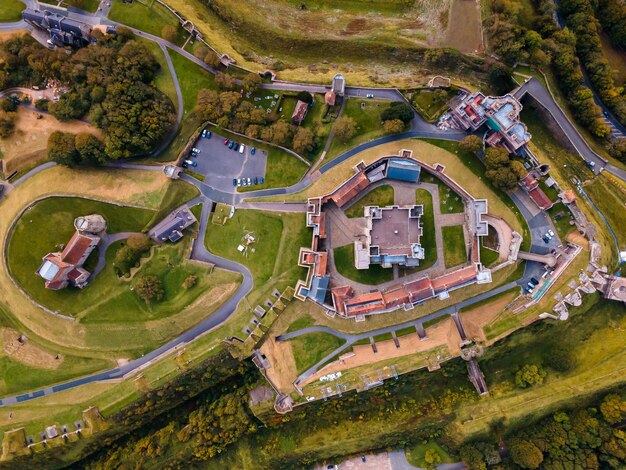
<point x="449" y="201"/>
<point x="428" y="240"/>
<point x="431" y="104"/>
<point x="381" y="196"/>
<point x="149" y="18"/>
<point x="344" y="262"/>
<point x="454" y="245"/>
<point x="488" y="257"/>
<point x="279" y="237"/>
<point x="87" y="5"/>
<point x="11" y="10"/>
<point x="309" y="349"/>
<point x="367" y="120"/>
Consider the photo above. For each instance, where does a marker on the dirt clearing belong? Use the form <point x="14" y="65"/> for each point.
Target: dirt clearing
<point x="27" y="146"/>
<point x="465" y="27"/>
<point x="27" y="353"/>
<point x="476" y="319"/>
<point x="283" y="370"/>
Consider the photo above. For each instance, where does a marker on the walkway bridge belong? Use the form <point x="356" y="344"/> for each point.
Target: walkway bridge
<point x="548" y="258"/>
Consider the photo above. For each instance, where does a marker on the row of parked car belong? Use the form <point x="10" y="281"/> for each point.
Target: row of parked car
<point x="549" y="235"/>
<point x="530" y="287"/>
<point x="189" y="162"/>
<point x="237" y="147"/>
<point x="248" y="181"/>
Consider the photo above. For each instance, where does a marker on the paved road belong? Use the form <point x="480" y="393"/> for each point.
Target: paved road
<point x="534" y="88"/>
<point x="398" y="461"/>
<point x="106" y="242"/>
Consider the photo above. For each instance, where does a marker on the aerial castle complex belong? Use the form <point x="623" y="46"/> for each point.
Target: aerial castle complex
<point x="391" y="237"/>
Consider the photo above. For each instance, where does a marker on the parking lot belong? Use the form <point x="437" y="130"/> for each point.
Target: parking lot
<point x="220" y="165"/>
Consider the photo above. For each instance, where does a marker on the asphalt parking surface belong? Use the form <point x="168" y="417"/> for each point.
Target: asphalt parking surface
<point x="220" y="165"/>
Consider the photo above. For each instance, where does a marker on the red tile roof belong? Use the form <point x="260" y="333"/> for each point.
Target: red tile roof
<point x="540" y="198"/>
<point x="76" y="248"/>
<point x="454" y="278"/>
<point x="299" y="112"/>
<point x="353" y="187"/>
<point x="320" y="264"/>
<point x="529" y="182"/>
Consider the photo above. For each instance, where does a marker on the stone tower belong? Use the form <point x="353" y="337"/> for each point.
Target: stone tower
<point x="93" y="223"/>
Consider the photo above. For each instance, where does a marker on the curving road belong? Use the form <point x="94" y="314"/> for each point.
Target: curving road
<point x="216" y="319"/>
<point x="534" y="88"/>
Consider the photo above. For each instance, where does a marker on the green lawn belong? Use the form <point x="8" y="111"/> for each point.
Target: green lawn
<point x="87" y="5"/>
<point x="309" y="349"/>
<point x="192" y="78"/>
<point x="279" y="237"/>
<point x="383" y="337"/>
<point x="11" y="10"/>
<point x="488" y="257"/>
<point x="178" y="193"/>
<point x="117" y="303"/>
<point x="406" y="331"/>
<point x="431" y="104"/>
<point x="344" y="262"/>
<point x="48" y="225"/>
<point x="428" y="240"/>
<point x="453" y="245"/>
<point x="381" y="196"/>
<point x="449" y="201"/>
<point x="415" y="455"/>
<point x="367" y="120"/>
<point x="612" y="203"/>
<point x="475" y="166"/>
<point x="150" y="19"/>
<point x="561" y="217"/>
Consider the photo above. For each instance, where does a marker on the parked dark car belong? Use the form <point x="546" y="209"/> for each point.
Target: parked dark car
<point x="234" y="181"/>
<point x="262" y="180"/>
<point x="231" y="144"/>
<point x="534" y="281"/>
<point x="256" y="180"/>
<point x="252" y="151"/>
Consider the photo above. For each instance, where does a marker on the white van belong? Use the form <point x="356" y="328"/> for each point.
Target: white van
<point x="242" y="148"/>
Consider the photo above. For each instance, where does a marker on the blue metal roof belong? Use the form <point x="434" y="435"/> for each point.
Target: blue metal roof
<point x="403" y="170"/>
<point x="319" y="287"/>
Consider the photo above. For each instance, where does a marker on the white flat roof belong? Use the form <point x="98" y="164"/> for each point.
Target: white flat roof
<point x="48" y="270"/>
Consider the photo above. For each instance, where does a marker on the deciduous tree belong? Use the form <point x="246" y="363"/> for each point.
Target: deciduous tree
<point x="345" y="128"/>
<point x="150" y="288"/>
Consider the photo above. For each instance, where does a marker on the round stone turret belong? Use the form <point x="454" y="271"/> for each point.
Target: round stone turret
<point x="93" y="223"/>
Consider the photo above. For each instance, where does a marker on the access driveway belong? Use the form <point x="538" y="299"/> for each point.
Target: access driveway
<point x="220" y="165"/>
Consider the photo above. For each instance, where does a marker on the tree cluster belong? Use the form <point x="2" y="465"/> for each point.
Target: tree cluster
<point x="8" y="117"/>
<point x="229" y="109"/>
<point x="397" y="110"/>
<point x="581" y="438"/>
<point x="129" y="254"/>
<point x="150" y="288"/>
<point x="110" y="82"/>
<point x="541" y="45"/>
<point x="581" y="19"/>
<point x="503" y="171"/>
<point x="612" y="16"/>
<point x="66" y="148"/>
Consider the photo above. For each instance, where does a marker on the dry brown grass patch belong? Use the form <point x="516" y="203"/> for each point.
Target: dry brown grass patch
<point x="27" y="146"/>
<point x="27" y="353"/>
<point x="283" y="371"/>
